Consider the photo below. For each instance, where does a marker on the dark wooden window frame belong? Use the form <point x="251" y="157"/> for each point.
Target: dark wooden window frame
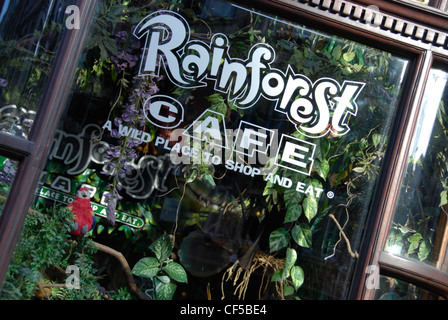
<point x="420" y="274"/>
<point x="334" y="16"/>
<point x="32" y="154"/>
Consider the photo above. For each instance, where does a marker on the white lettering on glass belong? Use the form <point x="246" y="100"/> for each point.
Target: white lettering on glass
<point x="321" y="107"/>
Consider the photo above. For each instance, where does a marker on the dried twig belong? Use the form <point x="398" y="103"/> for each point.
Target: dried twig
<point x="347" y="241"/>
<point x="127" y="270"/>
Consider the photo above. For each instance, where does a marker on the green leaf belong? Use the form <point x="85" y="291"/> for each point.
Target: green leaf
<point x="336" y="52"/>
<point x="127" y="231"/>
<point x="176" y="272"/>
<point x="310" y="207"/>
<point x="164" y="291"/>
<point x="100" y="228"/>
<point x="302" y="235"/>
<point x="349" y="56"/>
<point x="423" y="250"/>
<point x="208" y="179"/>
<point x="297" y="276"/>
<point x="110" y="45"/>
<point x="415" y="238"/>
<point x="192" y="176"/>
<point x="414" y="242"/>
<point x="377" y="138"/>
<point x="443" y="198"/>
<point x="288" y="290"/>
<point x="322" y="168"/>
<point x="164" y="279"/>
<point x="162" y="247"/>
<point x="291" y="257"/>
<point x="293" y="213"/>
<point x="291" y="196"/>
<point x="413" y="246"/>
<point x="215" y="98"/>
<point x="279" y="275"/>
<point x="278" y="239"/>
<point x="146" y="267"/>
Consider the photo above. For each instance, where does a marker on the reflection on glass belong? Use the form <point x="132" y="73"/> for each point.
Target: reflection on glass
<point x="419" y="229"/>
<point x="29" y="36"/>
<point x="437" y="4"/>
<point x="394" y="289"/>
<point x="8" y="170"/>
<point x="424" y="2"/>
<point x="257" y="142"/>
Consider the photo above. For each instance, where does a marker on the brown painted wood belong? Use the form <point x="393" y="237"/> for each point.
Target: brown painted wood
<point x="415" y="272"/>
<point x="426" y="16"/>
<point x="14" y="147"/>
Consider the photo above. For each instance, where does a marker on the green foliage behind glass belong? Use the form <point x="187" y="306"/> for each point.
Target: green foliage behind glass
<point x="45" y="245"/>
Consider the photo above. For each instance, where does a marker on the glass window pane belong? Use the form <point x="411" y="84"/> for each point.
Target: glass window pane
<point x="438" y="4"/>
<point x="394" y="289"/>
<point x="227" y="140"/>
<point x="29" y="36"/>
<point x="419" y="229"/>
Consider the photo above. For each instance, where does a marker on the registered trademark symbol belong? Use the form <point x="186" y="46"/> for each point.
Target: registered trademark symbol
<point x="330" y="194"/>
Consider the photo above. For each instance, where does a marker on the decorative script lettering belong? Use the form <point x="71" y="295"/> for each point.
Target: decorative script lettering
<point x="316" y="108"/>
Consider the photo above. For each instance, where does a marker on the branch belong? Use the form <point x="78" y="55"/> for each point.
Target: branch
<point x="127" y="270"/>
<point x="347" y="241"/>
<point x="51" y="285"/>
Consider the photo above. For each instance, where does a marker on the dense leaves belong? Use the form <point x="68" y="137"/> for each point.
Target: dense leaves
<point x="161" y="270"/>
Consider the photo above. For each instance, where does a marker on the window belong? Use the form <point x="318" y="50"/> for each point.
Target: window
<point x="419" y="221"/>
<point x="222" y="151"/>
<point x="393" y="289"/>
<point x="418" y="229"/>
<point x="30" y="35"/>
<point x="438" y="4"/>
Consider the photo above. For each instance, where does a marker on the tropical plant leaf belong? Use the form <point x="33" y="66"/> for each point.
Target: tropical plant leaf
<point x="164" y="290"/>
<point x="146" y="267"/>
<point x="310" y="207"/>
<point x="291" y="258"/>
<point x="293" y="213"/>
<point x="349" y="56"/>
<point x="278" y="239"/>
<point x="176" y="272"/>
<point x="322" y="168"/>
<point x="337" y="52"/>
<point x="423" y="250"/>
<point x="302" y="235"/>
<point x="297" y="276"/>
<point x="162" y="247"/>
<point x="279" y="275"/>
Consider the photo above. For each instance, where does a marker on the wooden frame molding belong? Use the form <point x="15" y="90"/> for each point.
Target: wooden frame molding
<point x="417" y="273"/>
<point x="426" y="30"/>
